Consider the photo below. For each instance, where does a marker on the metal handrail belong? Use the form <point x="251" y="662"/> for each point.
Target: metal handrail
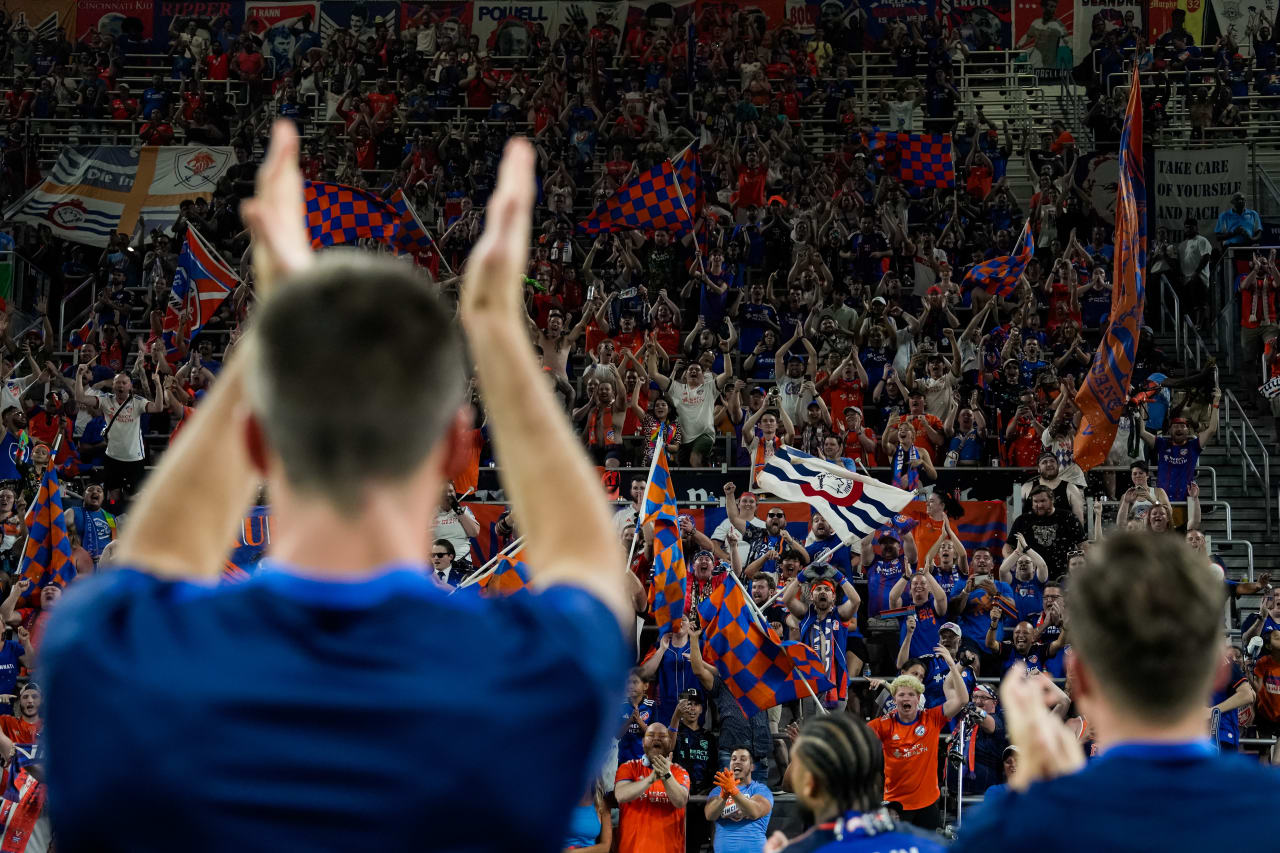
<point x="1170" y="307"/>
<point x="1246" y="459"/>
<point x="1233" y="542"/>
<point x="90" y="282"/>
<point x="1192" y="336"/>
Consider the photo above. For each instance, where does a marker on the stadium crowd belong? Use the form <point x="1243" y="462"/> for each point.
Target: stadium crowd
<point x="818" y="302"/>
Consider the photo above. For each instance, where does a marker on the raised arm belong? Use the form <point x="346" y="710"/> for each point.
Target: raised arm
<point x="554" y="492"/>
<point x="164" y="534"/>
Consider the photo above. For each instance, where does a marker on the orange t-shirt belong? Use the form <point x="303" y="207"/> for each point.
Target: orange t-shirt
<point x="925" y="533"/>
<point x="650" y="824"/>
<point x="911" y="757"/>
<point x="18" y="730"/>
<point x="1269" y="696"/>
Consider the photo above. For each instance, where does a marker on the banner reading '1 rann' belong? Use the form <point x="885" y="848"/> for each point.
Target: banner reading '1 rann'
<point x="1198" y="183"/>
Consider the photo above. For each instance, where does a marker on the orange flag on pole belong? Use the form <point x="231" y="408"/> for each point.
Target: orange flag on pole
<point x="1105" y="392"/>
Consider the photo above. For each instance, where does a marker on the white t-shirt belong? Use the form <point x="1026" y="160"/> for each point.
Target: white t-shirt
<point x="789" y="396"/>
<point x="624" y="518"/>
<point x="902" y="115"/>
<point x="1189" y="251"/>
<point x="937" y="393"/>
<point x="449" y="526"/>
<point x="13" y="389"/>
<point x="696" y="407"/>
<point x="124" y="439"/>
<point x="743" y="547"/>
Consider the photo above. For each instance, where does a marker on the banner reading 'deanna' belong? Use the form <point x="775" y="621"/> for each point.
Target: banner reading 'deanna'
<point x="94" y="192"/>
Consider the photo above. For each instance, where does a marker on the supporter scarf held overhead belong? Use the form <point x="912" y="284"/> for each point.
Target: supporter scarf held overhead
<point x="1105" y="392"/>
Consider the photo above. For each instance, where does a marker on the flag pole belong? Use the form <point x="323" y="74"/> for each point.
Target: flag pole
<point x="653" y="466"/>
<point x="409" y="207"/>
<point x="764" y="625"/>
<point x="489" y="567"/>
<point x="693" y="228"/>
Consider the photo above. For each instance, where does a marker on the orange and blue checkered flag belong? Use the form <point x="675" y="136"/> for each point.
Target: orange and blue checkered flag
<point x="759" y="669"/>
<point x="47" y="557"/>
<point x="925" y="158"/>
<point x="669" y="573"/>
<point x="1105" y="391"/>
<point x="665" y="198"/>
<point x="510" y="576"/>
<point x="338" y="214"/>
<point x="1000" y="276"/>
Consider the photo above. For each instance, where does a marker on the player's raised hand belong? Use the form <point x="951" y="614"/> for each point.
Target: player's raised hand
<point x="277" y="212"/>
<point x="492" y="286"/>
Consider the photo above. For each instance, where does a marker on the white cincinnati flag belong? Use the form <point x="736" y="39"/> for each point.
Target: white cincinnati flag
<point x="851" y="504"/>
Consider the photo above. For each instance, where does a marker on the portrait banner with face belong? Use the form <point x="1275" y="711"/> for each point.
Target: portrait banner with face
<point x="1114" y="14"/>
<point x="363" y="19"/>
<point x="1028" y="18"/>
<point x="1198" y="183"/>
<point x="283" y="27"/>
<point x="1098" y="176"/>
<point x="982" y="25"/>
<point x="667" y="23"/>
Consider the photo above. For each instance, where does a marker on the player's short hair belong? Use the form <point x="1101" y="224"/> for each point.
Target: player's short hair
<point x="908" y="681"/>
<point x="359" y="373"/>
<point x="1146" y="618"/>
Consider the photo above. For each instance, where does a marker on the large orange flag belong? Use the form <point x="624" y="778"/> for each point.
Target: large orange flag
<point x="1105" y="391"/>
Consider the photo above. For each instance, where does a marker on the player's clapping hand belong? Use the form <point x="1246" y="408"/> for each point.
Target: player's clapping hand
<point x="495" y="268"/>
<point x="276" y="213"/>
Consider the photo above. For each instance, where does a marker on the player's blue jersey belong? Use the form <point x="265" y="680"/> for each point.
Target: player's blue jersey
<point x="870" y="832"/>
<point x="1158" y="797"/>
<point x="296" y="713"/>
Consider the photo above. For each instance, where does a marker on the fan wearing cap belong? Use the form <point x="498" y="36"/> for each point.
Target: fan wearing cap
<point x="884" y="570"/>
<point x="1067" y="496"/>
<point x="25" y="724"/>
<point x="793" y="374"/>
<point x="695" y="747"/>
<point x="860" y="442"/>
<point x="1008" y="767"/>
<point x="823" y="625"/>
<point x="1178" y="453"/>
<point x="928" y="428"/>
